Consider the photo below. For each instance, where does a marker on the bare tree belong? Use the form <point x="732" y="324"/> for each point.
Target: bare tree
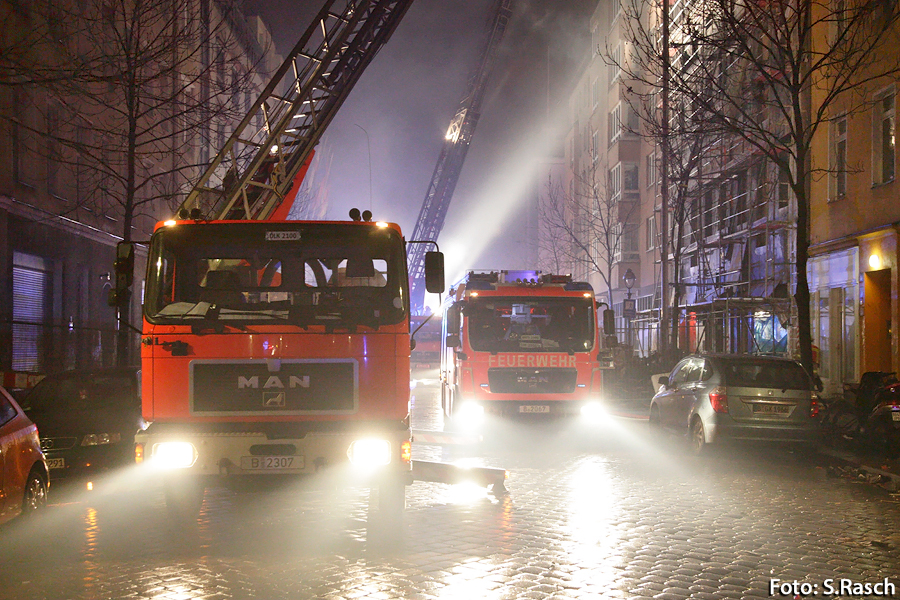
<point x="132" y="97"/>
<point x="587" y="226"/>
<point x="771" y="75"/>
<point x="145" y="89"/>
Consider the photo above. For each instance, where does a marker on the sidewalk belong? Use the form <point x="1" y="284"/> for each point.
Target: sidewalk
<point x="860" y="465"/>
<point x="865" y="467"/>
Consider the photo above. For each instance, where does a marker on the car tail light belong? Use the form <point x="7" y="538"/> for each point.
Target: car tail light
<point x="814" y="407"/>
<point x="719" y="400"/>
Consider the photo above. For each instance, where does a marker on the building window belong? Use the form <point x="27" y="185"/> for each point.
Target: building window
<point x="31" y="311"/>
<point x="651" y="169"/>
<point x="630" y="177"/>
<point x="840" y="19"/>
<point x="652" y="232"/>
<point x="707" y="215"/>
<point x="615" y="124"/>
<point x="615" y="64"/>
<point x="53" y="152"/>
<point x="839" y="158"/>
<point x="784" y="188"/>
<point x="883" y="138"/>
<point x="615" y="181"/>
<point x="595" y="146"/>
<point x="625" y="242"/>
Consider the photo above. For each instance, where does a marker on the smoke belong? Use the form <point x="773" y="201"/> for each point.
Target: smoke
<point x="499" y="203"/>
<point x="396" y="117"/>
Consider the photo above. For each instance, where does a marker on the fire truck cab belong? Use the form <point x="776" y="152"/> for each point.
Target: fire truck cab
<point x="519" y="342"/>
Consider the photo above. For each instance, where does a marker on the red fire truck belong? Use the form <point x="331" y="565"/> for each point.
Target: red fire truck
<point x="519" y="342"/>
<point x="277" y="347"/>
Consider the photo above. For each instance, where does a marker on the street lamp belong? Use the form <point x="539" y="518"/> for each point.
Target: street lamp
<point x="628" y="307"/>
<point x="629" y="279"/>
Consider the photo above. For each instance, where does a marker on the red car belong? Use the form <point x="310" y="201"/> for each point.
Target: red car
<point x="23" y="470"/>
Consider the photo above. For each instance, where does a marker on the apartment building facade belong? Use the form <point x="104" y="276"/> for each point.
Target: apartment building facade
<point x="63" y="203"/>
<point x="854" y="250"/>
<point x="730" y="212"/>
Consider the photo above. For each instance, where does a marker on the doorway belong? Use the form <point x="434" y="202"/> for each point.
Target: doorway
<point x="877" y="321"/>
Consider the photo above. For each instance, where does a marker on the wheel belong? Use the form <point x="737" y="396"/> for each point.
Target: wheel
<point x="698" y="437"/>
<point x="184" y="497"/>
<point x="35" y="497"/>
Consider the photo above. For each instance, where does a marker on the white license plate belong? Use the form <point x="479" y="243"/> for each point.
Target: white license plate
<point x="534" y="409"/>
<point x="771" y="409"/>
<point x="56" y="463"/>
<point x="895" y="415"/>
<point x="271" y="463"/>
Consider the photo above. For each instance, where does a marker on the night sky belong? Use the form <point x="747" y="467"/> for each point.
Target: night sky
<point x="405" y="101"/>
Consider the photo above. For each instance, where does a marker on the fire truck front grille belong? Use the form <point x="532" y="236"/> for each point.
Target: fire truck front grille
<point x="532" y="381"/>
<point x="274" y="388"/>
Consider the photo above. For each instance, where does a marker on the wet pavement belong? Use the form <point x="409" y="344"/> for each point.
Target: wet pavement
<point x="593" y="510"/>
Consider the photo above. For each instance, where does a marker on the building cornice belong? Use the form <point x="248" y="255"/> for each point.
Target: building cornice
<point x="850" y="240"/>
<point x="33" y="213"/>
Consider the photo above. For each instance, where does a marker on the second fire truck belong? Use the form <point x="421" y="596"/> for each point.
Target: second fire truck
<point x="519" y="342"/>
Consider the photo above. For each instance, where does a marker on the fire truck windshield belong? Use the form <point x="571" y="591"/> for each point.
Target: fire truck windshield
<point x="329" y="274"/>
<point x="530" y="324"/>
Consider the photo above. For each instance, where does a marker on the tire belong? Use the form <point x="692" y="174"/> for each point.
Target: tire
<point x="35" y="496"/>
<point x="697" y="437"/>
<point x="184" y="497"/>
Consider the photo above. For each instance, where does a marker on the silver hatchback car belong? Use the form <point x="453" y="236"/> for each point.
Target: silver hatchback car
<point x="715" y="398"/>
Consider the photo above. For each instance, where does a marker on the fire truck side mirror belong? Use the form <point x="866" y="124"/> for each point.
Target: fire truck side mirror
<point x="609" y="321"/>
<point x="434" y="272"/>
<point x="453" y="317"/>
<point x="452" y="340"/>
<point x="124" y="273"/>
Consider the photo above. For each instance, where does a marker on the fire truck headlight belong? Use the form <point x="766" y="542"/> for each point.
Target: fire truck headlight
<point x="173" y="455"/>
<point x="470" y="413"/>
<point x="593" y="411"/>
<point x="370" y="452"/>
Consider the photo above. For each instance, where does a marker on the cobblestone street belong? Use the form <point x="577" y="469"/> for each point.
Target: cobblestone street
<point x="594" y="511"/>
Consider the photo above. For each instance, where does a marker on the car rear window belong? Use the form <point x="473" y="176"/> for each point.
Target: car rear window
<point x="765" y="374"/>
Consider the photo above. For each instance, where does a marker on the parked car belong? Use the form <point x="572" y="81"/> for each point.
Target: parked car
<point x="24" y="477"/>
<point x="715" y="398"/>
<point x="87" y="420"/>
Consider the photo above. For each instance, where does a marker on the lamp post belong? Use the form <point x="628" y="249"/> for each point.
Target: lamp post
<point x="629" y="279"/>
<point x="628" y="308"/>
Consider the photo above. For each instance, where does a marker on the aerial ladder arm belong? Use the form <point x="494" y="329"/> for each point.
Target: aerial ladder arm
<point x="453" y="154"/>
<point x="261" y="165"/>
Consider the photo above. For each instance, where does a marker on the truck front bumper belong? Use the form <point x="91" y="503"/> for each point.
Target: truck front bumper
<point x="232" y="454"/>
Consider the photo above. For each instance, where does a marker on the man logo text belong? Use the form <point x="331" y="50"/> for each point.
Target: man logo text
<point x="273" y="382"/>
